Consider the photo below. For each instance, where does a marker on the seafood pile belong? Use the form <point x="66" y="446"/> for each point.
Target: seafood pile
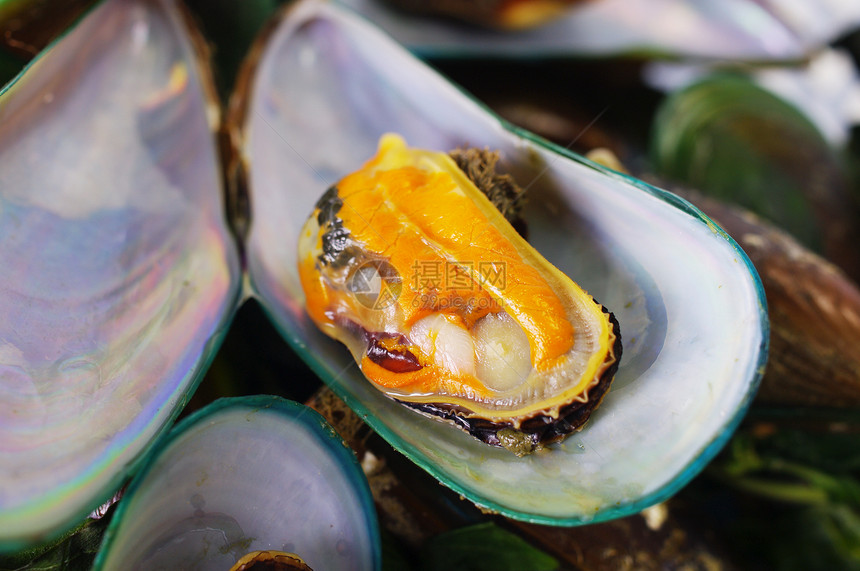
<point x="418" y="255"/>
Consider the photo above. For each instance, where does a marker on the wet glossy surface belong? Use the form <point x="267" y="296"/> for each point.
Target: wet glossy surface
<point x="118" y="272"/>
<point x="286" y="482"/>
<point x="691" y="308"/>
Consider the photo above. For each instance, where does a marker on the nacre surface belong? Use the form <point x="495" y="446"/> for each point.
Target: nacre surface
<point x="285" y="482"/>
<point x="691" y="308"/>
<point x="118" y="272"/>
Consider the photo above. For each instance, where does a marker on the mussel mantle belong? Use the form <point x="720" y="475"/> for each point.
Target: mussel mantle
<point x="447" y="309"/>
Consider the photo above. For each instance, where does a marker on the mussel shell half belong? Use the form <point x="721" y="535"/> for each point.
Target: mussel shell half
<point x="286" y="482"/>
<point x="731" y="29"/>
<point x="118" y="272"/>
<point x="325" y="87"/>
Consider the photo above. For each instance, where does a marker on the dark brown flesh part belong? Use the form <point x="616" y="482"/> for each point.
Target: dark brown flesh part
<point x="538" y="430"/>
<point x="533" y="433"/>
<point x="395" y="360"/>
<point x="378" y="348"/>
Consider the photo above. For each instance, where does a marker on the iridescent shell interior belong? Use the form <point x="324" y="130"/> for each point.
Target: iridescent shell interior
<point x="118" y="270"/>
<point x="199" y="504"/>
<point x="120" y="275"/>
<point x="691" y="308"/>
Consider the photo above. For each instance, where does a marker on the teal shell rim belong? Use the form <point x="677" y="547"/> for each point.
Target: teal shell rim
<point x="692" y="468"/>
<point x="326" y="436"/>
<point x="231" y="304"/>
<point x="725" y="432"/>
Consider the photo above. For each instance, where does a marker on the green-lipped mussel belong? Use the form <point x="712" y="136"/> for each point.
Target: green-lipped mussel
<point x="120" y="275"/>
<point x="323" y="88"/>
<point x="447" y="309"/>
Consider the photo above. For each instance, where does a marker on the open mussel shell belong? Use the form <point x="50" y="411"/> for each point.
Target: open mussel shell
<point x="118" y="271"/>
<point x="324" y="85"/>
<point x="732" y="29"/>
<point x="286" y="482"/>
